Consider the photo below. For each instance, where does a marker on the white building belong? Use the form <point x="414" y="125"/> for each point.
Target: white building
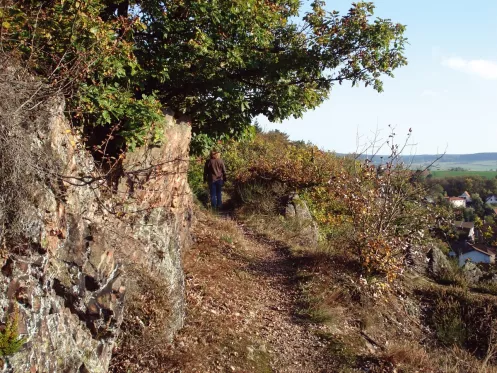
<point x="456" y="201"/>
<point x="467" y="197"/>
<point x="491" y="199"/>
<point x="477" y="254"/>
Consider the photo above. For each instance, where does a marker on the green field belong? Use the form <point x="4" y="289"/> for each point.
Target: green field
<point x="487" y="174"/>
<point x="470" y="166"/>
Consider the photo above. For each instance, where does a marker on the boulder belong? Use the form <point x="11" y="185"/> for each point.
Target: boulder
<point x="438" y="263"/>
<point x="297" y="210"/>
<point x="472" y="273"/>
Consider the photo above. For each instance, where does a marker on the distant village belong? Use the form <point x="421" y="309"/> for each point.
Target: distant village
<point x="475" y="240"/>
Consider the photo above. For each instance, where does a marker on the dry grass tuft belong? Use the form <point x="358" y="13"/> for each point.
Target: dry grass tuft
<point x="458" y="360"/>
<point x="407" y="356"/>
<point x="145" y="332"/>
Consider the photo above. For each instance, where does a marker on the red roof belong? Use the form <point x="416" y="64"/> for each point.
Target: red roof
<point x="455" y="199"/>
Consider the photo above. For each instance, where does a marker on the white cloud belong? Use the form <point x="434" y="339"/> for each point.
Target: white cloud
<point x="482" y="68"/>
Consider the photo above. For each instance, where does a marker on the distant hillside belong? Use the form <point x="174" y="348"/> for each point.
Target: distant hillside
<point x="471" y="162"/>
<point x="462" y="158"/>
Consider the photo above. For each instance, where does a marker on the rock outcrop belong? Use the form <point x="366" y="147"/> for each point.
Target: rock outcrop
<point x="472" y="273"/>
<point x="438" y="263"/>
<point x="66" y="277"/>
<point x="297" y="210"/>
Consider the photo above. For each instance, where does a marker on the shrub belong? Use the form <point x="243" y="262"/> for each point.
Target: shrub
<point x="263" y="197"/>
<point x="76" y="51"/>
<point x="487" y="287"/>
<point x="376" y="215"/>
<point x="267" y="167"/>
<point x="272" y="158"/>
<point x="443" y="246"/>
<point x="407" y="357"/>
<point x="385" y="212"/>
<point x="460" y="318"/>
<point x="453" y="275"/>
<point x="10" y="342"/>
<point x="196" y="179"/>
<point x="450" y="328"/>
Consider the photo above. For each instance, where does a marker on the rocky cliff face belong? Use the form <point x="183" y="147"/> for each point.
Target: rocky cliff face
<point x="68" y="272"/>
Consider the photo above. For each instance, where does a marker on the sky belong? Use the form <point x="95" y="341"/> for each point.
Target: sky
<point x="447" y="94"/>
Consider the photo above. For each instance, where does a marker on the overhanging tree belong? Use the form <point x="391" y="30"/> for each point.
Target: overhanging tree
<point x="222" y="62"/>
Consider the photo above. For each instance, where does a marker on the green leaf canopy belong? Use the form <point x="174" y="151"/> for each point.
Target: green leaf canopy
<point x="223" y="62"/>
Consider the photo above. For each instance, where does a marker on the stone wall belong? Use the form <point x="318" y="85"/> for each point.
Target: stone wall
<point x="67" y="275"/>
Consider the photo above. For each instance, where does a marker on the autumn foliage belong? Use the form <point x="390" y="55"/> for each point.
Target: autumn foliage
<point x="387" y="216"/>
<point x="375" y="214"/>
<point x="272" y="157"/>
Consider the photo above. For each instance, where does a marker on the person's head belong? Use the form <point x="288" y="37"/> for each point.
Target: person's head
<point x="215" y="154"/>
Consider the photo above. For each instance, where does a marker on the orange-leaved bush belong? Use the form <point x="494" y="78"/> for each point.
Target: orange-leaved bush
<point x="377" y="215"/>
<point x="388" y="215"/>
<point x="271" y="157"/>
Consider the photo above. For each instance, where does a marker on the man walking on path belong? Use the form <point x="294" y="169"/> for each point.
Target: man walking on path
<point x="215" y="175"/>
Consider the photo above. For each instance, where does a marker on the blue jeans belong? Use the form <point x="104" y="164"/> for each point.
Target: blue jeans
<point x="215" y="191"/>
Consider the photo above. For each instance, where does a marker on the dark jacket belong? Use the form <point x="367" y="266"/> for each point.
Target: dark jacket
<point x="214" y="170"/>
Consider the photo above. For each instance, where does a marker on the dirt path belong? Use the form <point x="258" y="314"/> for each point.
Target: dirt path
<point x="242" y="298"/>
